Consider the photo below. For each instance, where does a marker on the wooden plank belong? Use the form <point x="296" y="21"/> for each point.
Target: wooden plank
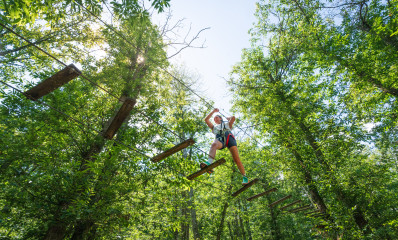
<point x="291" y="204"/>
<point x="245" y="187"/>
<point x="280" y="200"/>
<point x="299" y="209"/>
<point x="204" y="170"/>
<point x="55" y="81"/>
<point x="316" y="211"/>
<point x="262" y="194"/>
<point x="173" y="150"/>
<point x="317" y="215"/>
<point x="116" y="121"/>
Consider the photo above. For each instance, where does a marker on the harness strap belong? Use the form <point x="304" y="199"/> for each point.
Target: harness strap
<point x="230" y="134"/>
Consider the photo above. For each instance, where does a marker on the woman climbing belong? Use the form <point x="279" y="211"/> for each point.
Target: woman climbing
<point x="224" y="138"/>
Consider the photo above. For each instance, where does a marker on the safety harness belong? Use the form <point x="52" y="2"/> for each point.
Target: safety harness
<point x="223" y="131"/>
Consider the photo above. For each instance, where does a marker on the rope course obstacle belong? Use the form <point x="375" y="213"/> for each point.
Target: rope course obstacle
<point x="70" y="72"/>
<point x="262" y="194"/>
<point x="300" y="209"/>
<point x="117" y="120"/>
<point x="290" y="204"/>
<point x="173" y="150"/>
<point x="206" y="169"/>
<point x="50" y="84"/>
<point x="244" y="188"/>
<point x="280" y="200"/>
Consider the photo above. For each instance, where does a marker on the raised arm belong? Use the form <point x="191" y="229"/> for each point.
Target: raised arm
<point x="207" y="119"/>
<point x="231" y="121"/>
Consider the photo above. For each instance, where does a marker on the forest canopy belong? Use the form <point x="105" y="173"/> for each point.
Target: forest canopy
<point x="315" y="95"/>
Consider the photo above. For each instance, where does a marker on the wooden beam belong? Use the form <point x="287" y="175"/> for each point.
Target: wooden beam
<point x="262" y="194"/>
<point x="317" y="215"/>
<point x="55" y="81"/>
<point x="204" y="170"/>
<point x="116" y="121"/>
<point x="299" y="209"/>
<point x="291" y="204"/>
<point x="245" y="187"/>
<point x="316" y="211"/>
<point x="173" y="150"/>
<point x="280" y="200"/>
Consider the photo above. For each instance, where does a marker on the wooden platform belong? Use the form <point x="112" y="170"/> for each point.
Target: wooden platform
<point x="262" y="194"/>
<point x="299" y="209"/>
<point x="116" y="121"/>
<point x="309" y="213"/>
<point x="317" y="215"/>
<point x="50" y="84"/>
<point x="173" y="150"/>
<point x="204" y="170"/>
<point x="291" y="204"/>
<point x="280" y="200"/>
<point x="245" y="187"/>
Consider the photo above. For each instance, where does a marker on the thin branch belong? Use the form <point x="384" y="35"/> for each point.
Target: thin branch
<point x="190" y="42"/>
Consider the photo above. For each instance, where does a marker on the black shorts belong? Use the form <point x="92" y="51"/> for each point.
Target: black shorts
<point x="229" y="140"/>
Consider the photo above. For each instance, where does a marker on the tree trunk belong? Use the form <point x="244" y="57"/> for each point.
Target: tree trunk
<point x="237" y="227"/>
<point x="247" y="223"/>
<point x="349" y="202"/>
<point x="242" y="227"/>
<point x="341" y="196"/>
<point x="56" y="231"/>
<point x="313" y="190"/>
<point x="176" y="233"/>
<point x="230" y="231"/>
<point x="194" y="221"/>
<point x="185" y="217"/>
<point x="82" y="229"/>
<point x="221" y="226"/>
<point x="275" y="231"/>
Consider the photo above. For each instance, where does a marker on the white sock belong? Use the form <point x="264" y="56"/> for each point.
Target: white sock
<point x="210" y="160"/>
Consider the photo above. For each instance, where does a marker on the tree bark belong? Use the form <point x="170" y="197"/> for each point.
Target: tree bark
<point x="56" y="231"/>
<point x="247" y="223"/>
<point x="350" y="203"/>
<point x="275" y="231"/>
<point x="194" y="221"/>
<point x="313" y="190"/>
<point x="185" y="217"/>
<point x="82" y="229"/>
<point x="221" y="226"/>
<point x="230" y="231"/>
<point x="242" y="227"/>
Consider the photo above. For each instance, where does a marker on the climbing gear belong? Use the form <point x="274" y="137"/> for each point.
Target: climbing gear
<point x="220" y="136"/>
<point x="223" y="135"/>
<point x="245" y="180"/>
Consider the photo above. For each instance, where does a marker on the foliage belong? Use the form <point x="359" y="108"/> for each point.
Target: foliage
<point x="318" y="85"/>
<point x="313" y="80"/>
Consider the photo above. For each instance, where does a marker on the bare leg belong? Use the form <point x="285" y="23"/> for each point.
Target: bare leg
<point x="214" y="147"/>
<point x="235" y="156"/>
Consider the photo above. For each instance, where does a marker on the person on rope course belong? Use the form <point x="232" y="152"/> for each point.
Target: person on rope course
<point x="224" y="138"/>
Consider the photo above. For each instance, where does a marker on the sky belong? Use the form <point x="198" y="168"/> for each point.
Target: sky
<point x="229" y="22"/>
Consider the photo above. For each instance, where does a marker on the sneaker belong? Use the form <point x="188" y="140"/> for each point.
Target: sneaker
<point x="245" y="180"/>
<point x="205" y="164"/>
